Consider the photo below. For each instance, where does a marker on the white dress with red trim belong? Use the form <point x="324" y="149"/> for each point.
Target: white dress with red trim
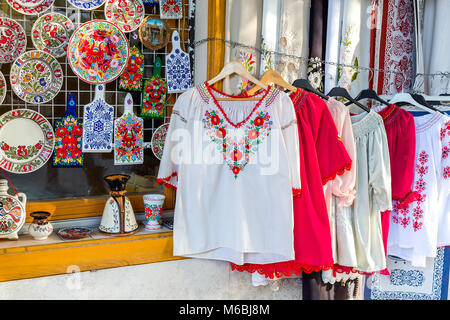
<point x="236" y="167"/>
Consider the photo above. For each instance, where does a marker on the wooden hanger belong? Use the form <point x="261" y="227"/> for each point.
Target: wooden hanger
<point x="274" y="77"/>
<point x="235" y="67"/>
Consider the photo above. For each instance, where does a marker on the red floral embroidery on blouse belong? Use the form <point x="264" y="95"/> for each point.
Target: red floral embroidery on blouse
<point x="445" y="152"/>
<point x="447" y="173"/>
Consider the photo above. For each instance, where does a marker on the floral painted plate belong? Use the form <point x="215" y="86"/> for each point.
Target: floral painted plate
<point x="30" y="7"/>
<point x="126" y="14"/>
<point x="3" y="88"/>
<point x="51" y="33"/>
<point x="158" y="140"/>
<point x="98" y="52"/>
<point x="13" y="40"/>
<point x="36" y="77"/>
<point x="75" y="233"/>
<point x="26" y="141"/>
<point x="86" y="4"/>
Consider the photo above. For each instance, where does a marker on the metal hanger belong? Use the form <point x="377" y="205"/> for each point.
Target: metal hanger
<point x="235" y="67"/>
<point x="342" y="92"/>
<point x="304" y="84"/>
<point x="274" y="77"/>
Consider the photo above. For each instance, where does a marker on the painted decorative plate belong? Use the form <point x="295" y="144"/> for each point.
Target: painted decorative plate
<point x="171" y="9"/>
<point x="3" y="88"/>
<point x="26" y="141"/>
<point x="51" y="33"/>
<point x="30" y="7"/>
<point x="158" y="140"/>
<point x="98" y="52"/>
<point x="86" y="4"/>
<point x="154" y="33"/>
<point x="36" y="77"/>
<point x="75" y="233"/>
<point x="126" y="14"/>
<point x="13" y="40"/>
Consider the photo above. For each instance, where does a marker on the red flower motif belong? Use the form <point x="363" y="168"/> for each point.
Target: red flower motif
<point x="235" y="170"/>
<point x="447" y="173"/>
<point x="77" y="131"/>
<point x="253" y="134"/>
<point x="236" y="155"/>
<point x="138" y="60"/>
<point x="259" y="121"/>
<point x="76" y="153"/>
<point x="445" y="152"/>
<point x="423" y="157"/>
<point x="61" y="132"/>
<point x="22" y="151"/>
<point x="40" y="67"/>
<point x="221" y="133"/>
<point x="215" y="120"/>
<point x="61" y="153"/>
<point x="5" y="146"/>
<point x="38" y="146"/>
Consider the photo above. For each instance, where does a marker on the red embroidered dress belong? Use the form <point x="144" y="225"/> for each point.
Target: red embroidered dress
<point x="322" y="157"/>
<point x="236" y="167"/>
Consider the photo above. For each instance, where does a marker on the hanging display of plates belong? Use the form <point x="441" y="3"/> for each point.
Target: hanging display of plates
<point x="30" y="7"/>
<point x="86" y="4"/>
<point x="26" y="141"/>
<point x="75" y="233"/>
<point x="3" y="88"/>
<point x="158" y="140"/>
<point x="68" y="137"/>
<point x="131" y="78"/>
<point x="154" y="94"/>
<point x="126" y="14"/>
<point x="36" y="77"/>
<point x="13" y="40"/>
<point x="98" y="52"/>
<point x="171" y="9"/>
<point x="154" y="33"/>
<point x="98" y="123"/>
<point x="51" y="33"/>
<point x="128" y="136"/>
<point x="178" y="67"/>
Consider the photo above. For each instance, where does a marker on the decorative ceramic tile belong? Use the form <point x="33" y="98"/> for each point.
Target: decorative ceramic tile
<point x="178" y="68"/>
<point x="68" y="137"/>
<point x="154" y="94"/>
<point x="36" y="77"/>
<point x="26" y="141"/>
<point x="13" y="40"/>
<point x="51" y="33"/>
<point x="150" y="2"/>
<point x="98" y="123"/>
<point x="406" y="282"/>
<point x="171" y="9"/>
<point x="3" y="88"/>
<point x="128" y="136"/>
<point x="154" y="33"/>
<point x="159" y="139"/>
<point x="86" y="4"/>
<point x="126" y="14"/>
<point x="30" y="7"/>
<point x="98" y="52"/>
<point x="131" y="78"/>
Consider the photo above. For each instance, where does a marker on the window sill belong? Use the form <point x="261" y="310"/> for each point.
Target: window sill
<point x="28" y="258"/>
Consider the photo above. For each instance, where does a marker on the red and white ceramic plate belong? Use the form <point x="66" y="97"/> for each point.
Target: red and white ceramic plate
<point x="51" y="33"/>
<point x="13" y="40"/>
<point x="126" y="14"/>
<point x="3" y="88"/>
<point x="158" y="140"/>
<point x="30" y="7"/>
<point x="75" y="233"/>
<point x="26" y="141"/>
<point x="98" y="52"/>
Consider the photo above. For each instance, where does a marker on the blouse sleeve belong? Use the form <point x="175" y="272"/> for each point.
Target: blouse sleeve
<point x="331" y="153"/>
<point x="173" y="151"/>
<point x="444" y="174"/>
<point x="344" y="186"/>
<point x="402" y="163"/>
<point x="289" y="132"/>
<point x="380" y="169"/>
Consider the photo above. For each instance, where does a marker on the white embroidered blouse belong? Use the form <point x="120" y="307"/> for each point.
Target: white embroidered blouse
<point x="236" y="167"/>
<point x="416" y="232"/>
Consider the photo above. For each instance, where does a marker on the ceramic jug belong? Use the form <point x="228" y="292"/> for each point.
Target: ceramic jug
<point x="12" y="212"/>
<point x="118" y="216"/>
<point x="40" y="229"/>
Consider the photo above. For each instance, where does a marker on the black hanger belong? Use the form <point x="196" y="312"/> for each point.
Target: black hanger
<point x="342" y="92"/>
<point x="304" y="84"/>
<point x="369" y="94"/>
<point x="420" y="99"/>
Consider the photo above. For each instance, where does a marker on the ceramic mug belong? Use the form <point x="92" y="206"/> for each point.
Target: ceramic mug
<point x="153" y="207"/>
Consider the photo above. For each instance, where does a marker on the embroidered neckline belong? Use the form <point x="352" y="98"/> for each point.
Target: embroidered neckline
<point x="427" y="124"/>
<point x="241" y="123"/>
<point x="298" y="97"/>
<point x="389" y="112"/>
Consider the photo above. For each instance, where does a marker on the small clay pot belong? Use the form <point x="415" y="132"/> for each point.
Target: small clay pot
<point x="40" y="228"/>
